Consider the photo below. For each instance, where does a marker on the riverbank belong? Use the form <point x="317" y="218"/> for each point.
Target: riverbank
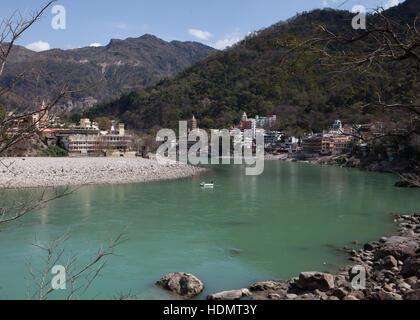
<point x="18" y="173"/>
<point x="408" y="172"/>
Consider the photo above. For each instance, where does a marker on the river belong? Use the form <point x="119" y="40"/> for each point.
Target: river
<point x="247" y="228"/>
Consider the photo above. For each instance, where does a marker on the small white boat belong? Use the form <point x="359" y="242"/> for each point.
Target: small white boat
<point x="206" y="185"/>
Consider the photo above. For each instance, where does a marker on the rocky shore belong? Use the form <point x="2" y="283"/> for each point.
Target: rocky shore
<point x="391" y="267"/>
<point x="54" y="172"/>
<point x="408" y="171"/>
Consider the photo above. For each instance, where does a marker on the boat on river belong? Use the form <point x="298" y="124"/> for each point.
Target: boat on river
<point x="207" y="185"/>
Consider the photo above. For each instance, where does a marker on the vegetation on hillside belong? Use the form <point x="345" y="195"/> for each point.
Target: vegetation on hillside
<point x="95" y="73"/>
<point x="260" y="75"/>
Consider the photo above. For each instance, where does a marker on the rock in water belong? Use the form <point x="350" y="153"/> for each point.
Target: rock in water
<point x="183" y="284"/>
<point x="315" y="280"/>
<point x="230" y="295"/>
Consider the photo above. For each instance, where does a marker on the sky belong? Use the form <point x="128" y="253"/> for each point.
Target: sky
<point x="217" y="23"/>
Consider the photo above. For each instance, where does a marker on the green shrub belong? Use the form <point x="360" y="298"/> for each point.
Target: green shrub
<point x="53" y="151"/>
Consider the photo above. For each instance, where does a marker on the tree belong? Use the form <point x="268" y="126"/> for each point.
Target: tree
<point x="2" y="112"/>
<point x="387" y="44"/>
<point x="104" y="123"/>
<point x="18" y="128"/>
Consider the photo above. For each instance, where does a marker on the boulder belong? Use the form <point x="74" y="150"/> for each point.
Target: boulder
<point x="268" y="285"/>
<point x="410" y="267"/>
<point x="368" y="246"/>
<point x="230" y="295"/>
<point x="398" y="247"/>
<point x="274" y="296"/>
<point x="412" y="295"/>
<point x="413" y="282"/>
<point x="340" y="293"/>
<point x="315" y="280"/>
<point x="183" y="284"/>
<point x="383" y="295"/>
<point x="389" y="262"/>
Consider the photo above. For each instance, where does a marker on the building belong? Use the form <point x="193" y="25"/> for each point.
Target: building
<point x="86" y="139"/>
<point x="272" y="138"/>
<point x="248" y="124"/>
<point x="318" y="145"/>
<point x="194" y="124"/>
<point x="84" y="144"/>
<point x="263" y="122"/>
<point x="322" y="145"/>
<point x="312" y="146"/>
<point x="41" y="118"/>
<point x="341" y="144"/>
<point x="85" y="123"/>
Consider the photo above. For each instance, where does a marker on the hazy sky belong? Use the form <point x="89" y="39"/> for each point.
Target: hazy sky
<point x="217" y="23"/>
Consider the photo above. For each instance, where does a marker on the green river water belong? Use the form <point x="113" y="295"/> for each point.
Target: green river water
<point x="248" y="228"/>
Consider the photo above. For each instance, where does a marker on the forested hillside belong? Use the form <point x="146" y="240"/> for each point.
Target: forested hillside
<point x="260" y="75"/>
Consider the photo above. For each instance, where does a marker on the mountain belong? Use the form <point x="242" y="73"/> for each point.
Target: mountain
<point x="97" y="73"/>
<point x="257" y="77"/>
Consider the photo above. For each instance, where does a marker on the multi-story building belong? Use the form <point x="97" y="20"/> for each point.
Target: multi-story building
<point x="272" y="137"/>
<point x="248" y="124"/>
<point x="88" y="140"/>
<point x="84" y="144"/>
<point x="317" y="145"/>
<point x="341" y="144"/>
<point x="263" y="122"/>
<point x="322" y="145"/>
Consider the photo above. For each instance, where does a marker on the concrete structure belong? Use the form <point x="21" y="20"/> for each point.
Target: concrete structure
<point x="341" y="144"/>
<point x="83" y="144"/>
<point x="248" y="124"/>
<point x="263" y="122"/>
<point x="272" y="137"/>
<point x="323" y="145"/>
<point x="85" y="123"/>
<point x="88" y="140"/>
<point x="194" y="124"/>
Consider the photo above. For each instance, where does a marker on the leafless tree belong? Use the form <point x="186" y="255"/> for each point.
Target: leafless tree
<point x="16" y="128"/>
<point x="21" y="127"/>
<point x="79" y="276"/>
<point x="16" y="209"/>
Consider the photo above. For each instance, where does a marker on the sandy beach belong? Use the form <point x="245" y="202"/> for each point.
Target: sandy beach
<point x="54" y="172"/>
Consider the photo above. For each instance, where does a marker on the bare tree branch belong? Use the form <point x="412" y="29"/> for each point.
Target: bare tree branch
<point x="79" y="278"/>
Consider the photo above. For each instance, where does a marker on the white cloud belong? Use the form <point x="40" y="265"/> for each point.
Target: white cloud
<point x="38" y="46"/>
<point x="391" y="3"/>
<point x="228" y="40"/>
<point x="200" y="34"/>
<point x="95" y="44"/>
<point x="324" y="3"/>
